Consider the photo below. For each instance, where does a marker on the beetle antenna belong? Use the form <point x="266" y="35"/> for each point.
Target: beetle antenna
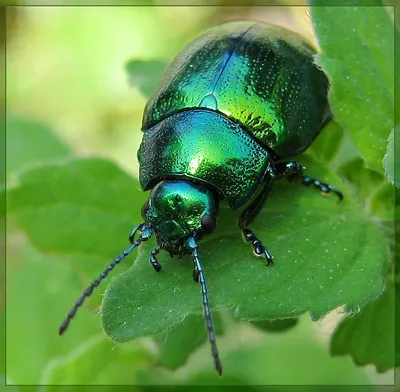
<point x="146" y="234"/>
<point x="207" y="311"/>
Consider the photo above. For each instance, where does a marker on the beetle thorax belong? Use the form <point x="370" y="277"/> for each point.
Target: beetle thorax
<point x="178" y="209"/>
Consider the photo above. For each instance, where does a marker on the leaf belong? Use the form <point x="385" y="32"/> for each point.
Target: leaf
<point x="360" y="68"/>
<point x="333" y="147"/>
<point x="275" y="325"/>
<point x="29" y="142"/>
<point x="393" y="155"/>
<point x="253" y="358"/>
<point x="80" y="212"/>
<point x="87" y="209"/>
<point x="145" y="74"/>
<point x="177" y="344"/>
<point x="327" y="255"/>
<point x="368" y="336"/>
<point x="372" y="188"/>
<point x="38" y="298"/>
<point x="99" y="362"/>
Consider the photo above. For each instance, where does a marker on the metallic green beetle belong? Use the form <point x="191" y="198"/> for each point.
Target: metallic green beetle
<point x="232" y="107"/>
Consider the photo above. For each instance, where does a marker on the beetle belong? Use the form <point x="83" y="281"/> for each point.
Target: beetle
<point x="231" y="110"/>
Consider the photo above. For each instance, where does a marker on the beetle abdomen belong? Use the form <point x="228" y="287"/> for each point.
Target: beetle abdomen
<point x="205" y="146"/>
<point x="258" y="75"/>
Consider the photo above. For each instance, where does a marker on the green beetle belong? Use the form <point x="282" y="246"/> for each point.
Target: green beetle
<point x="232" y="107"/>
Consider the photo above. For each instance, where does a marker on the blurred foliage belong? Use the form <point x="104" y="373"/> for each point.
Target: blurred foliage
<point x="393" y="155"/>
<point x="70" y="98"/>
<point x="24" y="146"/>
<point x="377" y="320"/>
<point x="360" y="80"/>
<point x="143" y="74"/>
<point x="369" y="82"/>
<point x="2" y="191"/>
<point x="2" y="20"/>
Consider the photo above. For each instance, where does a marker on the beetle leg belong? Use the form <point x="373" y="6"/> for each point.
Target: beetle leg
<point x="196" y="274"/>
<point x="324" y="188"/>
<point x="258" y="248"/>
<point x="293" y="170"/>
<point x="153" y="260"/>
<point x="247" y="217"/>
<point x="286" y="169"/>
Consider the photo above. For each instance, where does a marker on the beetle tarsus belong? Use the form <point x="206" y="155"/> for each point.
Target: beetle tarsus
<point x="323" y="187"/>
<point x="258" y="248"/>
<point x="153" y="259"/>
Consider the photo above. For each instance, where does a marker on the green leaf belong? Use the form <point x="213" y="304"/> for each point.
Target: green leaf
<point x="275" y="325"/>
<point x="87" y="209"/>
<point x="372" y="188"/>
<point x="29" y="142"/>
<point x="99" y="362"/>
<point x="246" y="354"/>
<point x="178" y="343"/>
<point x="81" y="212"/>
<point x="369" y="336"/>
<point x="393" y="155"/>
<point x="360" y="68"/>
<point x="145" y="74"/>
<point x="38" y="296"/>
<point x="333" y="147"/>
<point x="253" y="358"/>
<point x="328" y="254"/>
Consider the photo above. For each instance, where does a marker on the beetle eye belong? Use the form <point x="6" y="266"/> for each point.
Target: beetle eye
<point x="208" y="223"/>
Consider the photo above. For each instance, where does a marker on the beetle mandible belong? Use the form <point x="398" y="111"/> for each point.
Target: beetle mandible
<point x="231" y="109"/>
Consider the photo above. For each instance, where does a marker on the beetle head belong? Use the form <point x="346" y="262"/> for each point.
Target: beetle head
<point x="177" y="210"/>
